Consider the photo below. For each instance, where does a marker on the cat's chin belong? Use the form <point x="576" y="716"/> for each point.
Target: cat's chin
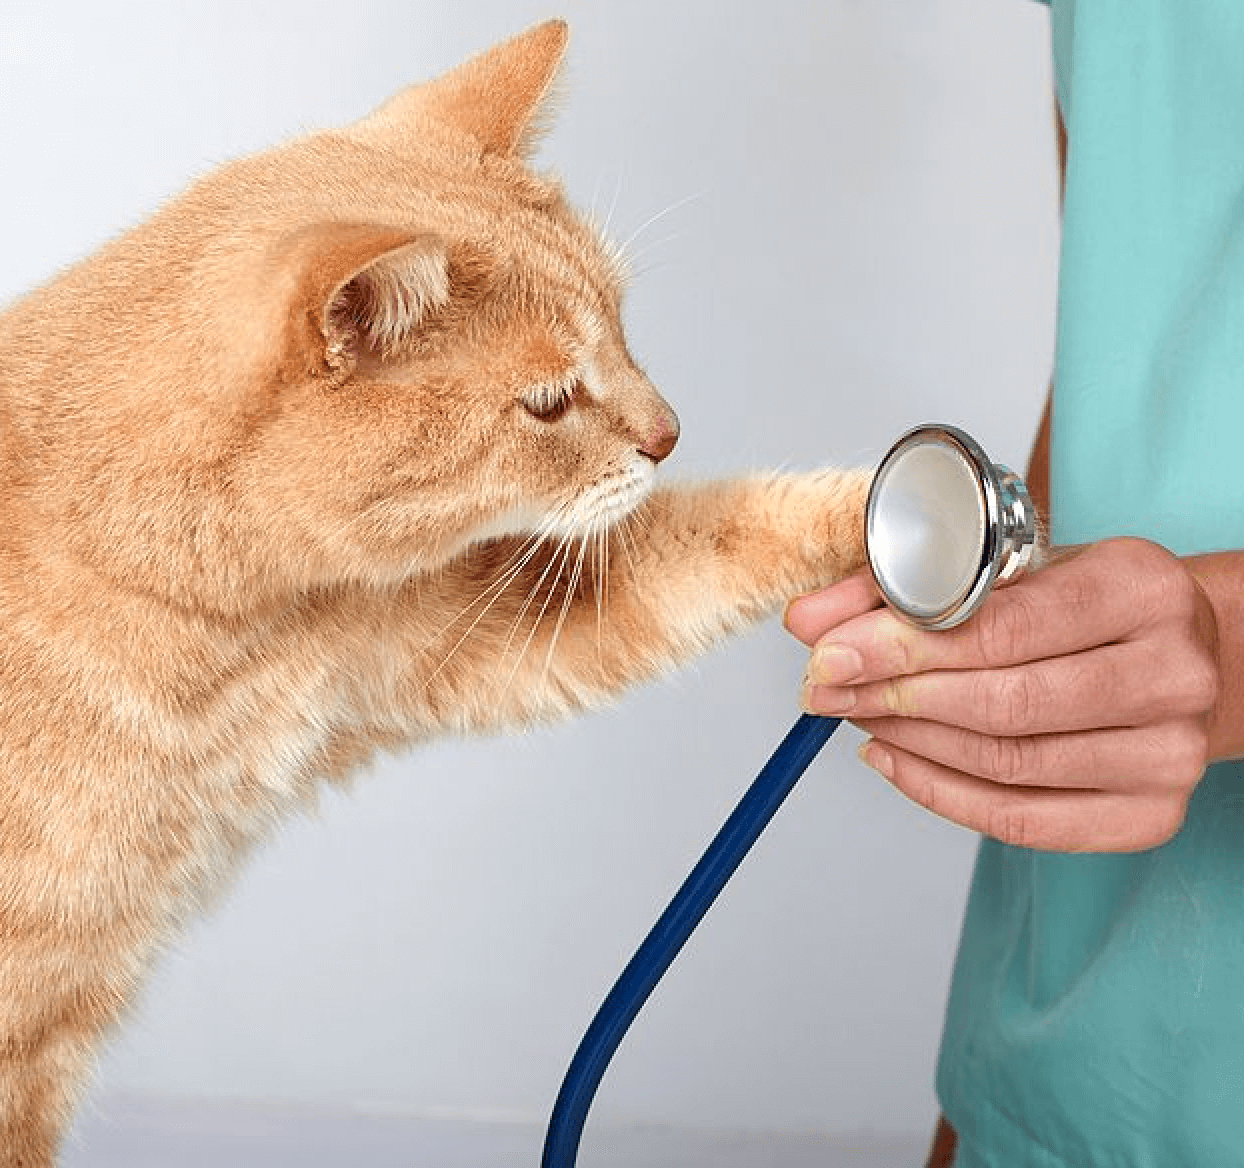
<point x="604" y="503"/>
<point x="525" y="519"/>
<point x="591" y="512"/>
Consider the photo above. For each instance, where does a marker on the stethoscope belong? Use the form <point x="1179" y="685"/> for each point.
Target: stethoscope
<point x="943" y="525"/>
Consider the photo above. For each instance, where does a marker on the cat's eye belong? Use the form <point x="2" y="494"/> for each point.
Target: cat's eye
<point x="550" y="402"/>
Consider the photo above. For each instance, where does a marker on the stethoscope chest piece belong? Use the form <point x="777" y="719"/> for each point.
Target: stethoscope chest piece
<point x="943" y="524"/>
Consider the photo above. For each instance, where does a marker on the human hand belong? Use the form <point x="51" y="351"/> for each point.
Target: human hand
<point x="1070" y="714"/>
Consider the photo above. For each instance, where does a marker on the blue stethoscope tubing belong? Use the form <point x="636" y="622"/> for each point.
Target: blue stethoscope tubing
<point x="676" y="924"/>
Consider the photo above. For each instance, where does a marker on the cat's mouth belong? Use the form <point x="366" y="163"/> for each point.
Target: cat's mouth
<point x="586" y="515"/>
<point x="605" y="502"/>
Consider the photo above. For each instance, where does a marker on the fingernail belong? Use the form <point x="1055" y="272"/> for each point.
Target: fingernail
<point x="873" y="754"/>
<point x="824" y="699"/>
<point x="835" y="665"/>
<point x="787" y="611"/>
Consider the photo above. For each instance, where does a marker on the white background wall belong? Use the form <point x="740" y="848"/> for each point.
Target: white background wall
<point x="859" y="233"/>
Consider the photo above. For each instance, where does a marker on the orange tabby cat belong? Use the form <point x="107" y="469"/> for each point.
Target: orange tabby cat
<point x="340" y="450"/>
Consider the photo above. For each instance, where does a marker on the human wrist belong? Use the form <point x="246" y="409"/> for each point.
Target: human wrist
<point x="1219" y="577"/>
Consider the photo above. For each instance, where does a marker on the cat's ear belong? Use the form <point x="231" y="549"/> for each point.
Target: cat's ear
<point x="363" y="286"/>
<point x="499" y="98"/>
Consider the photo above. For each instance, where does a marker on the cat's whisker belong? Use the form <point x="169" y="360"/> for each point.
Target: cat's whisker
<point x="604" y="592"/>
<point x="613" y="205"/>
<point x="649" y="247"/>
<point x="593" y="220"/>
<point x="554" y="556"/>
<point x="609" y="247"/>
<point x="624" y="544"/>
<point x="647" y="270"/>
<point x="567" y="601"/>
<point x="600" y="583"/>
<point x="504" y="573"/>
<point x="542" y="532"/>
<point x="497" y="588"/>
<point x="505" y="578"/>
<point x="624" y="247"/>
<point x="561" y="559"/>
<point x="640" y="515"/>
<point x="525" y="551"/>
<point x="642" y="521"/>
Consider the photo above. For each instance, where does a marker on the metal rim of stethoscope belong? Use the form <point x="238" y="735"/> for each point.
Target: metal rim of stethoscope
<point x="1009" y="533"/>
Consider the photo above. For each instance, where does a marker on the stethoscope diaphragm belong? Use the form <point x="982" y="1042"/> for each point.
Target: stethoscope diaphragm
<point x="943" y="524"/>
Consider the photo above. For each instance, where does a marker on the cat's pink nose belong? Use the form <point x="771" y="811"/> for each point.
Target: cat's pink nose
<point x="660" y="439"/>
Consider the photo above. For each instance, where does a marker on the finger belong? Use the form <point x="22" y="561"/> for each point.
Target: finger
<point x="1026" y="817"/>
<point x="1117" y="685"/>
<point x="810" y="617"/>
<point x="1075" y="604"/>
<point x="1148" y="759"/>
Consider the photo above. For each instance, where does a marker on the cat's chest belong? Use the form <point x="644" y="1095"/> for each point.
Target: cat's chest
<point x="233" y="746"/>
<point x="247" y="750"/>
<point x="273" y="732"/>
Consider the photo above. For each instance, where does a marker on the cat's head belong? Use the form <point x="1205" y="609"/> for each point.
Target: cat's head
<point x="351" y="357"/>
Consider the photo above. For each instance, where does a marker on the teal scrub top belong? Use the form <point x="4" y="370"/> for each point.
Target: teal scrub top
<point x="1096" y="1013"/>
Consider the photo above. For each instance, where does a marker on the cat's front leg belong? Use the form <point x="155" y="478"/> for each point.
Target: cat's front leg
<point x="715" y="557"/>
<point x="58" y="1000"/>
<point x="572" y="625"/>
